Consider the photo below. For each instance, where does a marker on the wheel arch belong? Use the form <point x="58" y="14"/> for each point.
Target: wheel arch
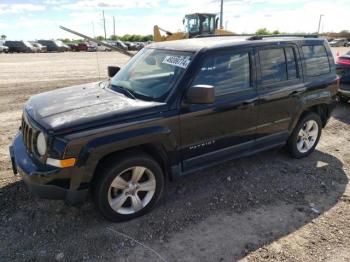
<point x="155" y="150"/>
<point x="322" y="110"/>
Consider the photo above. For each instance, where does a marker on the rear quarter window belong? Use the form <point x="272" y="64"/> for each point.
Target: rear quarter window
<point x="316" y="60"/>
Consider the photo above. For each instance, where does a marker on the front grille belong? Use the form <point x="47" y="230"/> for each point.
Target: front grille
<point x="29" y="135"/>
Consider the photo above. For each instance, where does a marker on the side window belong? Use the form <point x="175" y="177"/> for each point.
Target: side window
<point x="316" y="60"/>
<point x="291" y="63"/>
<point x="273" y="65"/>
<point x="278" y="64"/>
<point x="228" y="73"/>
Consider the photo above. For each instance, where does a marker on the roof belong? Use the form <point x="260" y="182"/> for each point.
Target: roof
<point x="198" y="14"/>
<point x="196" y="44"/>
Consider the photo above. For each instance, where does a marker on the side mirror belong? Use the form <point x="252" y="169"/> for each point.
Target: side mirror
<point x="113" y="70"/>
<point x="200" y="94"/>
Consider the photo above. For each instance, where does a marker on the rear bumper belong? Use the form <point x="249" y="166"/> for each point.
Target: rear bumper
<point x="43" y="180"/>
<point x="344" y="89"/>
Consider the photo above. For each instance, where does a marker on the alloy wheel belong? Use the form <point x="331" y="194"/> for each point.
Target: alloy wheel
<point x="131" y="190"/>
<point x="307" y="136"/>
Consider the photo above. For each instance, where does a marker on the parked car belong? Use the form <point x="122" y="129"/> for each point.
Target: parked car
<point x="100" y="47"/>
<point x="121" y="45"/>
<point x="54" y="45"/>
<point x="91" y="48"/>
<point x="78" y="47"/>
<point x="135" y="46"/>
<point x="175" y="108"/>
<point x="338" y="42"/>
<point x="343" y="71"/>
<point x="3" y="48"/>
<point x="19" y="47"/>
<point x="39" y="48"/>
<point x="131" y="46"/>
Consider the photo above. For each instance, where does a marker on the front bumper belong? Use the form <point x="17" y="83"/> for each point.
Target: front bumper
<point x="43" y="180"/>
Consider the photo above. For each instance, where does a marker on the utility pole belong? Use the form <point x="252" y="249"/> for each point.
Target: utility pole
<point x="93" y="29"/>
<point x="104" y="23"/>
<point x="113" y="26"/>
<point x="222" y="14"/>
<point x="319" y="24"/>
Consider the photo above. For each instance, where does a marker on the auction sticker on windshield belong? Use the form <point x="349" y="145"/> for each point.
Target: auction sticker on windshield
<point x="180" y="61"/>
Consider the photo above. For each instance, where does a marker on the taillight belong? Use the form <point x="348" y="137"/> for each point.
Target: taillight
<point x="343" y="61"/>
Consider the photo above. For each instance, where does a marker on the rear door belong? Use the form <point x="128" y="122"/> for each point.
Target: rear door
<point x="279" y="86"/>
<point x="216" y="132"/>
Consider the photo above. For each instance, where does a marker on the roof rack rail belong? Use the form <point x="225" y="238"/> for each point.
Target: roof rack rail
<point x="260" y="37"/>
<point x="203" y="36"/>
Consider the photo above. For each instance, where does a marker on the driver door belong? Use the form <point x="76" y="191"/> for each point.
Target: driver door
<point x="216" y="132"/>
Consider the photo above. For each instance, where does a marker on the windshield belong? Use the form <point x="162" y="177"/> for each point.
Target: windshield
<point x="26" y="43"/>
<point x="192" y="24"/>
<point x="59" y="43"/>
<point x="152" y="73"/>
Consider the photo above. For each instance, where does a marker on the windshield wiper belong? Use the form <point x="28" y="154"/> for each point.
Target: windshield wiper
<point x="125" y="91"/>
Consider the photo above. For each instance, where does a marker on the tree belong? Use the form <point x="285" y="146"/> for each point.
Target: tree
<point x="262" y="31"/>
<point x="114" y="37"/>
<point x="100" y="38"/>
<point x="276" y="32"/>
<point x="3" y="37"/>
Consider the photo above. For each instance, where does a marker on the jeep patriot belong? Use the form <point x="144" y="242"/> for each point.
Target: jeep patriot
<point x="175" y="108"/>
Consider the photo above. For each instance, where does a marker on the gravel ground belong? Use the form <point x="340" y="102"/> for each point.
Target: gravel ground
<point x="266" y="207"/>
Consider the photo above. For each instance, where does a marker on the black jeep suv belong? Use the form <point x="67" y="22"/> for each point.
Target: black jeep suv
<point x="175" y="108"/>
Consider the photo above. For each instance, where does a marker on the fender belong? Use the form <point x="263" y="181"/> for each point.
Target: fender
<point x="102" y="146"/>
<point x="320" y="96"/>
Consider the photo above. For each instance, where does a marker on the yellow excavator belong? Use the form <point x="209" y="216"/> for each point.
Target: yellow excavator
<point x="196" y="25"/>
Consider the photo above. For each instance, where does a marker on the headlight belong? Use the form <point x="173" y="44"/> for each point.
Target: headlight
<point x="41" y="144"/>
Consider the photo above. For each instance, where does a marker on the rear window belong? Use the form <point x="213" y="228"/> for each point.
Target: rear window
<point x="316" y="60"/>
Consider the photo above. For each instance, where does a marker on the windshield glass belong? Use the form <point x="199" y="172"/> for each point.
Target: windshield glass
<point x="192" y="24"/>
<point x="152" y="73"/>
<point x="59" y="43"/>
<point x="26" y="43"/>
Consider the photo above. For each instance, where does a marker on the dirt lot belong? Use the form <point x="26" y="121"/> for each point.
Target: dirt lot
<point x="266" y="207"/>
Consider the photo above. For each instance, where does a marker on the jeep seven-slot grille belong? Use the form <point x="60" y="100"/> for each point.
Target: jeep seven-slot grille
<point x="29" y="134"/>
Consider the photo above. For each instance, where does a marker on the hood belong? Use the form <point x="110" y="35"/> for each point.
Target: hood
<point x="84" y="106"/>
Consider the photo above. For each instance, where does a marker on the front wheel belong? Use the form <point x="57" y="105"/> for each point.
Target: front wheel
<point x="305" y="136"/>
<point x="129" y="187"/>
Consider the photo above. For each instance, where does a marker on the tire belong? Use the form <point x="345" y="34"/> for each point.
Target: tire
<point x="129" y="175"/>
<point x="301" y="144"/>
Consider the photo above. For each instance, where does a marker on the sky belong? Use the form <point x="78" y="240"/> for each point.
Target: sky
<point x="40" y="19"/>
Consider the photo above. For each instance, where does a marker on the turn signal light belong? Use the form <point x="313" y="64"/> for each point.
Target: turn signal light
<point x="69" y="162"/>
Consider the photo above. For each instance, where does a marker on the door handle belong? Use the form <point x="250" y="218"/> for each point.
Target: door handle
<point x="246" y="105"/>
<point x="296" y="93"/>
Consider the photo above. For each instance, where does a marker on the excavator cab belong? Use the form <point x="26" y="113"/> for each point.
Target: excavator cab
<point x="200" y="24"/>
